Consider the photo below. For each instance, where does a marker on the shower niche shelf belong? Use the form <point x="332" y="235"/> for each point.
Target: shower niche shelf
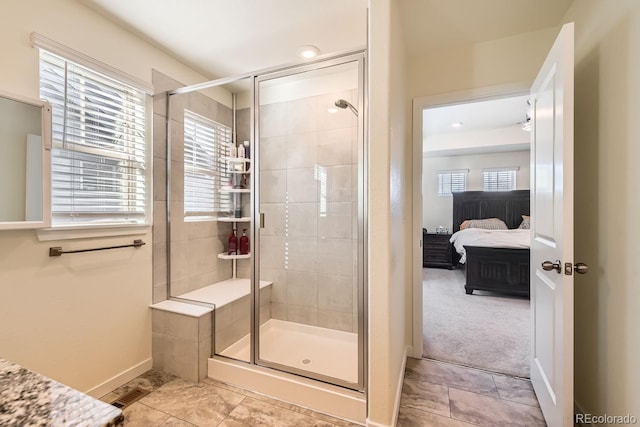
<point x="235" y="190"/>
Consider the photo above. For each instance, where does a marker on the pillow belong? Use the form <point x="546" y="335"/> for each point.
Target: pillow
<point x="487" y="224"/>
<point x="525" y="224"/>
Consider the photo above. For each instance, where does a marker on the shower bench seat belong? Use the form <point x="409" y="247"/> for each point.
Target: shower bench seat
<point x="182" y="327"/>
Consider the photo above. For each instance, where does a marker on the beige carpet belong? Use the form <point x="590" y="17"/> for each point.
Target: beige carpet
<point x="485" y="330"/>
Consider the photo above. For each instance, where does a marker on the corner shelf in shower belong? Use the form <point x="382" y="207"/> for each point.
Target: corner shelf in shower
<point x="225" y="255"/>
<point x="235" y="190"/>
<point x="233" y="219"/>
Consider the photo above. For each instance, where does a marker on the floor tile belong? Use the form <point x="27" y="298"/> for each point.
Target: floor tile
<point x="252" y="412"/>
<point x="149" y="381"/>
<point x="414" y="418"/>
<point x="175" y="422"/>
<point x="139" y="415"/>
<point x="422" y="395"/>
<point x="450" y="375"/>
<point x="515" y="389"/>
<point x="201" y="404"/>
<point x="492" y="412"/>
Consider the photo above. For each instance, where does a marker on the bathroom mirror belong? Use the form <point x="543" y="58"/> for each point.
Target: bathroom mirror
<point x="25" y="162"/>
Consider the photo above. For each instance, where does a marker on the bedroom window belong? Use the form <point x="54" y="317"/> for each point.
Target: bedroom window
<point x="206" y="144"/>
<point x="499" y="179"/>
<point x="99" y="167"/>
<point x="452" y="181"/>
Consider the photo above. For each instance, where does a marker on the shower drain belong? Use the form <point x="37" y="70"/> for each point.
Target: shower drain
<point x="306" y="361"/>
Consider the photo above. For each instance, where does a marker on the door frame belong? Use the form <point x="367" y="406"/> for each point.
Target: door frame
<point x="419" y="104"/>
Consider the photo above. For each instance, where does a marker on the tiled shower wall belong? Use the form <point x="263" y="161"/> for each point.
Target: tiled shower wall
<point x="308" y="193"/>
<point x="194" y="245"/>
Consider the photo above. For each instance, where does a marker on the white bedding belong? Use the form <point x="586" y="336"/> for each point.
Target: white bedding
<point x="489" y="238"/>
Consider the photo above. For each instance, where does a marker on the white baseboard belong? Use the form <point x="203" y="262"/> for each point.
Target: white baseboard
<point x="396" y="403"/>
<point x="120" y="379"/>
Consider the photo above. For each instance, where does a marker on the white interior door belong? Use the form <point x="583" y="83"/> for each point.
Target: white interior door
<point x="552" y="232"/>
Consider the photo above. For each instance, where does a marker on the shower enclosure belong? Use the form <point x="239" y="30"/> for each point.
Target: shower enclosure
<point x="276" y="157"/>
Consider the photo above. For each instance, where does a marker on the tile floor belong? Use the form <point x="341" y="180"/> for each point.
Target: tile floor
<point x="433" y="394"/>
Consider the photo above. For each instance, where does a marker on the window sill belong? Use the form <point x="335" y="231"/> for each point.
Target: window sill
<point x="91" y="231"/>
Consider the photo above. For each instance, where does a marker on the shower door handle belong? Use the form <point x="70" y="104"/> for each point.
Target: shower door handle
<point x="261" y="220"/>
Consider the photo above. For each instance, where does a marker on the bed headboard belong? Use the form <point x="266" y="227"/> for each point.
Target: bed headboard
<point x="509" y="206"/>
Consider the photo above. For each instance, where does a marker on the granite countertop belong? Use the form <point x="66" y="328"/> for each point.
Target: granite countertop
<point x="28" y="398"/>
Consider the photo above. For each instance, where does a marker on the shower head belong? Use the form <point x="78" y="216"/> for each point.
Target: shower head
<point x="341" y="103"/>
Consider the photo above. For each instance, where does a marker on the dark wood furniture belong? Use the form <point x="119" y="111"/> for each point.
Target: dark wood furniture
<point x="437" y="251"/>
<point x="494" y="269"/>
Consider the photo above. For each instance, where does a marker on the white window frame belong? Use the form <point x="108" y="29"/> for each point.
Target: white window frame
<point x="219" y="141"/>
<point x="502" y="179"/>
<point x="445" y="189"/>
<point x="63" y="231"/>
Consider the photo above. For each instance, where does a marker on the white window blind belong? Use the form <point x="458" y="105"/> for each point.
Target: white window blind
<point x="452" y="181"/>
<point x="99" y="155"/>
<point x="206" y="144"/>
<point x="499" y="179"/>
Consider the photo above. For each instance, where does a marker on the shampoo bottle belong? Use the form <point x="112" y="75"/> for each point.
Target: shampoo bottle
<point x="244" y="243"/>
<point x="233" y="243"/>
<point x="241" y="150"/>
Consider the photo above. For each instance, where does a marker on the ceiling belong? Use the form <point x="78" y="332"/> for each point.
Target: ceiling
<point x="222" y="38"/>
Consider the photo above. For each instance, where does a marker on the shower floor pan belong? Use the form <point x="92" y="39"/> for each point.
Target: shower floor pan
<point x="320" y="350"/>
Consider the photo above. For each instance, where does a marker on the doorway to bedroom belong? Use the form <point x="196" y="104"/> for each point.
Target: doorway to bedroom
<point x="475" y="188"/>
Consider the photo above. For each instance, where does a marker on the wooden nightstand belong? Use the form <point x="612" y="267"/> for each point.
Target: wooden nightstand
<point x="437" y="251"/>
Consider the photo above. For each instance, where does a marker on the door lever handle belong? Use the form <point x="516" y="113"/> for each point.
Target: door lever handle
<point x="548" y="266"/>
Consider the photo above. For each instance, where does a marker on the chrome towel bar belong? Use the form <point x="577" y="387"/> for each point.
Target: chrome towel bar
<point x="57" y="250"/>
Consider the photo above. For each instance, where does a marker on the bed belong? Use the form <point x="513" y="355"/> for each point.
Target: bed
<point x="503" y="267"/>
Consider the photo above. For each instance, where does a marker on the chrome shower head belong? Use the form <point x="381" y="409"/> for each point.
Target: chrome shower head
<point x="341" y="103"/>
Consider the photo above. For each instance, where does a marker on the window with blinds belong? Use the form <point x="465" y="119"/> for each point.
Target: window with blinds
<point x="452" y="181"/>
<point x="499" y="179"/>
<point x="206" y="144"/>
<point x="99" y="156"/>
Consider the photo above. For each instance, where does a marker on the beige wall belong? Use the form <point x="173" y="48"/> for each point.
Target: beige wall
<point x="438" y="210"/>
<point x="81" y="319"/>
<point x="389" y="212"/>
<point x="607" y="202"/>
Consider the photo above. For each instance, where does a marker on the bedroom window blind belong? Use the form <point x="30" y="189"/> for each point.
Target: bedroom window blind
<point x="206" y="144"/>
<point x="499" y="179"/>
<point x="99" y="156"/>
<point x="452" y="181"/>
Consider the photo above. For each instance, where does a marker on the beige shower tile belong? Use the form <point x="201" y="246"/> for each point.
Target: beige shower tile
<point x="162" y="82"/>
<point x="176" y="142"/>
<point x="278" y="311"/>
<point x="302" y="115"/>
<point x="274" y="219"/>
<point x="178" y="227"/>
<point x="272" y="253"/>
<point x="179" y="260"/>
<point x="203" y="105"/>
<point x="302" y="220"/>
<point x="335" y="227"/>
<point x="335" y="293"/>
<point x="178" y="104"/>
<point x="302" y="185"/>
<point x="159" y="293"/>
<point x="335" y="154"/>
<point x="177" y="182"/>
<point x="159" y="264"/>
<point x="302" y="314"/>
<point x="159" y="179"/>
<point x="272" y="120"/>
<point x="225" y="115"/>
<point x="177" y="356"/>
<point x="273" y="153"/>
<point x="204" y="353"/>
<point x="334" y="136"/>
<point x="341" y="265"/>
<point x="174" y="324"/>
<point x="301" y="150"/>
<point x="159" y="222"/>
<point x="273" y="188"/>
<point x="335" y="320"/>
<point x="302" y="288"/>
<point x="160" y="137"/>
<point x="339" y="183"/>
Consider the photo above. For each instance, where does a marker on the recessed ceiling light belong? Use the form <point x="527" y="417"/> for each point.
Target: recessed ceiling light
<point x="308" y="52"/>
<point x="456" y="124"/>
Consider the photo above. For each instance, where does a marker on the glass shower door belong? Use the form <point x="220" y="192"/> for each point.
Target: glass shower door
<point x="310" y="198"/>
